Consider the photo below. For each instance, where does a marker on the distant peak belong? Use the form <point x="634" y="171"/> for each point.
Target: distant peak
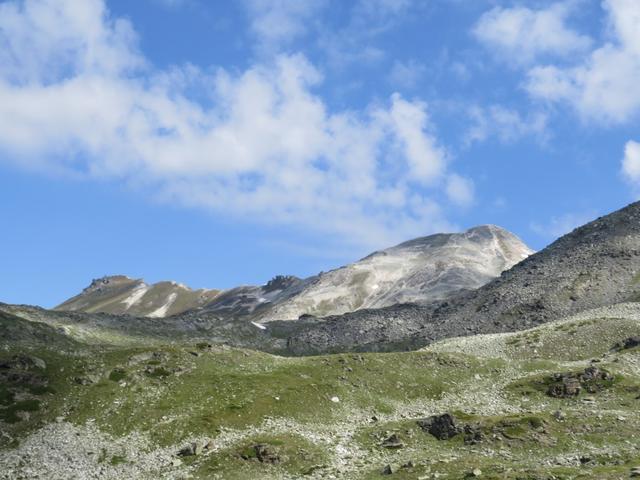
<point x="487" y="231"/>
<point x="486" y="228"/>
<point x="110" y="280"/>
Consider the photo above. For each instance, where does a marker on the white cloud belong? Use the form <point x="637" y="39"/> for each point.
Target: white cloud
<point x="631" y="161"/>
<point x="406" y="74"/>
<point x="603" y="87"/>
<point x="381" y="9"/>
<point x="278" y="22"/>
<point x="563" y="224"/>
<point x="76" y="95"/>
<point x="506" y="124"/>
<point x="522" y="34"/>
<point x="48" y="39"/>
<point x="409" y="121"/>
<point x="356" y="41"/>
<point x="460" y="190"/>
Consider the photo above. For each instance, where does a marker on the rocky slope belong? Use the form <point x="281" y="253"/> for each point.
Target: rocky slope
<point x="418" y="271"/>
<point x="593" y="266"/>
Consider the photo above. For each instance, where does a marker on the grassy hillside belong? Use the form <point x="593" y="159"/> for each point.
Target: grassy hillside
<point x="127" y="412"/>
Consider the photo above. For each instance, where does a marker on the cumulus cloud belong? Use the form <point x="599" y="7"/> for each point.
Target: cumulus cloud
<point x="506" y="124"/>
<point x="602" y="88"/>
<point x="278" y="22"/>
<point x="522" y="34"/>
<point x="460" y="190"/>
<point x="631" y="162"/>
<point x="406" y="74"/>
<point x="76" y="95"/>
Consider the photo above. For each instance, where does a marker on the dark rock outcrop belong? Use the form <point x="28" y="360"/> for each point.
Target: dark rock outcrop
<point x="567" y="385"/>
<point x="442" y="426"/>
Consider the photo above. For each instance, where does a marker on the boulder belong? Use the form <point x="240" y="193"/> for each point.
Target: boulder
<point x="393" y="442"/>
<point x="593" y="373"/>
<point x="39" y="363"/>
<point x="82" y="380"/>
<point x="190" y="450"/>
<point x="568" y="387"/>
<point x="627" y="343"/>
<point x="472" y="435"/>
<point x="442" y="426"/>
<point x="266" y="454"/>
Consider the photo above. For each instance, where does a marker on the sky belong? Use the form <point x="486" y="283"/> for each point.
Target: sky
<point x="220" y="143"/>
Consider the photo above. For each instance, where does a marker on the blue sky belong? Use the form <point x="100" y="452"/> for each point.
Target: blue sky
<point x="220" y="143"/>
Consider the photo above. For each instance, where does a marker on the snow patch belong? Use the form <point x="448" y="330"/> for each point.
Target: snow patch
<point x="260" y="326"/>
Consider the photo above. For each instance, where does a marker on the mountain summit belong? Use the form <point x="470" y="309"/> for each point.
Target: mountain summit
<point x="418" y="271"/>
<point x="596" y="265"/>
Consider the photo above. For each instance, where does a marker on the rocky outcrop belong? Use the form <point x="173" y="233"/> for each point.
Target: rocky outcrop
<point x="567" y="385"/>
<point x="443" y="427"/>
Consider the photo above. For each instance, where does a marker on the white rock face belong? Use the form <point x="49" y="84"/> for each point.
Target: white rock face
<point x="419" y="271"/>
<point x="162" y="310"/>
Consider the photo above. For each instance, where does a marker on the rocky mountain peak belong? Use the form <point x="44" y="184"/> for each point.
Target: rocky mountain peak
<point x="108" y="281"/>
<point x="281" y="282"/>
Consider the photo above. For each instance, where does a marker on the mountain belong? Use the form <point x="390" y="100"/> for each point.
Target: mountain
<point x="596" y="265"/>
<point x="119" y="294"/>
<point x="418" y="271"/>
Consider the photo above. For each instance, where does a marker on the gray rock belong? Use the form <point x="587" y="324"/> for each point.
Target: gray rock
<point x="442" y="426"/>
<point x="190" y="450"/>
<point x="266" y="454"/>
<point x="630" y="342"/>
<point x="567" y="387"/>
<point x="393" y="442"/>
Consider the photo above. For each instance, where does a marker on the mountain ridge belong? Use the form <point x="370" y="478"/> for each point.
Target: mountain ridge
<point x="595" y="265"/>
<point x="420" y="270"/>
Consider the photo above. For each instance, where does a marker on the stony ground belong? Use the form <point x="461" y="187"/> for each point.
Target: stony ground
<point x="556" y="402"/>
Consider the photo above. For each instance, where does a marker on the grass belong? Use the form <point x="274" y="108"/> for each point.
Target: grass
<point x="297" y="456"/>
<point x="117" y="374"/>
<point x="238" y="398"/>
<point x="10" y="414"/>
